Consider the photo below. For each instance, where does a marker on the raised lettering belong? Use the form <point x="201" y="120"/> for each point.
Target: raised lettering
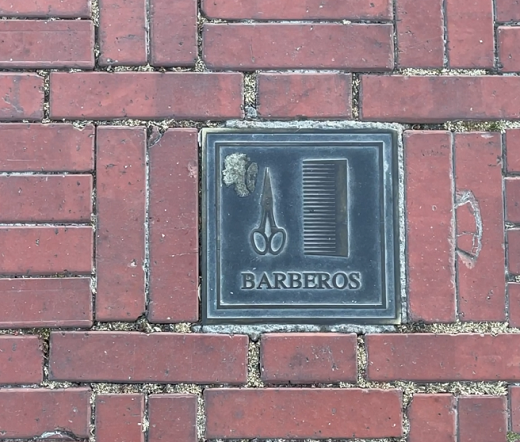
<point x="344" y="281"/>
<point x="305" y="280"/>
<point x="323" y="281"/>
<point x="310" y="278"/>
<point x="354" y="281"/>
<point x="279" y="280"/>
<point x="248" y="281"/>
<point x="295" y="280"/>
<point x="264" y="281"/>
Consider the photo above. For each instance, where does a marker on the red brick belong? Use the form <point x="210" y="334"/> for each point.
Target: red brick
<point x="299" y="46"/>
<point x="46" y="44"/>
<point x="28" y="413"/>
<point x="173" y="32"/>
<point x="46" y="198"/>
<point x="119" y="418"/>
<point x="120" y="236"/>
<point x="137" y="357"/>
<point x="174" y="219"/>
<point x="478" y="172"/>
<point x="442" y="358"/>
<point x="46" y="148"/>
<point x="21" y="359"/>
<point x="507" y="10"/>
<point x="45" y="250"/>
<point x="47" y="302"/>
<point x="305" y="95"/>
<point x="21" y="97"/>
<point x="431" y="254"/>
<point x="122" y="32"/>
<point x="512" y="149"/>
<point x="420" y="33"/>
<point x="307" y="358"/>
<point x="513" y="251"/>
<point x="482" y="419"/>
<point x="172" y="418"/>
<point x="514" y="408"/>
<point x="512" y="187"/>
<point x="49" y="8"/>
<point x="432" y="418"/>
<point x="508" y="52"/>
<point x="443" y="98"/>
<point x="470" y="33"/>
<point x="146" y="95"/>
<point x="302" y="413"/>
<point x="514" y="304"/>
<point x="308" y="10"/>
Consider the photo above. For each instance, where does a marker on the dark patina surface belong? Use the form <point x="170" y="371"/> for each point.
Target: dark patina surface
<point x="300" y="227"/>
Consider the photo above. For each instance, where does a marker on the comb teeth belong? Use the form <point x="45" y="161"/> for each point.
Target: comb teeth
<point x="325" y="227"/>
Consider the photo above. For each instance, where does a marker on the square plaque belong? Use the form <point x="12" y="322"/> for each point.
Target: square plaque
<point x="300" y="227"/>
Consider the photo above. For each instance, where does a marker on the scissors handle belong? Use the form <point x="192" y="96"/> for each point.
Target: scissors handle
<point x="265" y="245"/>
<point x="259" y="241"/>
<point x="280" y="232"/>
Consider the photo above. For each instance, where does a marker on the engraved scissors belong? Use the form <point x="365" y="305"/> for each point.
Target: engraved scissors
<point x="268" y="237"/>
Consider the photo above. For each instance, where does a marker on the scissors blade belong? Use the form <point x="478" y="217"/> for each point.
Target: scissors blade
<point x="267" y="192"/>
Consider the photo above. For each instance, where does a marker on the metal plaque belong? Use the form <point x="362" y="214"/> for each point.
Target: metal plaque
<point x="300" y="227"/>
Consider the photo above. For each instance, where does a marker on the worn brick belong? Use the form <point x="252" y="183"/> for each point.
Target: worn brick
<point x="508" y="51"/>
<point x="507" y="10"/>
<point x="44" y="198"/>
<point x="470" y="33"/>
<point x="467" y="232"/>
<point x="308" y="358"/>
<point x="305" y="95"/>
<point x="172" y="417"/>
<point x="512" y="150"/>
<point x="478" y="180"/>
<point x="308" y="10"/>
<point x="512" y="187"/>
<point x="429" y="207"/>
<point x="44" y="411"/>
<point x="174" y="242"/>
<point x="513" y="291"/>
<point x="146" y="95"/>
<point x="420" y="33"/>
<point x="161" y="357"/>
<point x="122" y="32"/>
<point x="443" y="98"/>
<point x="293" y="413"/>
<point x="46" y="44"/>
<point x="298" y="46"/>
<point x="482" y="418"/>
<point x="46" y="148"/>
<point x="513" y="251"/>
<point x="21" y="359"/>
<point x="442" y="358"/>
<point x="22" y="97"/>
<point x="49" y="8"/>
<point x="514" y="408"/>
<point x="120" y="236"/>
<point x="46" y="302"/>
<point x="173" y="32"/>
<point x="432" y="418"/>
<point x="119" y="418"/>
<point x="45" y="250"/>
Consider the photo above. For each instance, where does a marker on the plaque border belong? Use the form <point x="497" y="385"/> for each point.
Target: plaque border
<point x="389" y="312"/>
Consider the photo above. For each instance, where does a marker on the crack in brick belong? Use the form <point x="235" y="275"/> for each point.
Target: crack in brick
<point x="470" y="257"/>
<point x="59" y="434"/>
